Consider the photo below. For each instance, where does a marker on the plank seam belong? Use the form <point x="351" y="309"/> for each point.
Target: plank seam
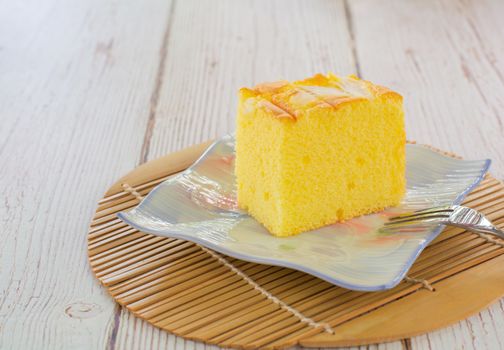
<point x="111" y="344"/>
<point x="163" y="53"/>
<point x="351" y="33"/>
<point x="406" y="344"/>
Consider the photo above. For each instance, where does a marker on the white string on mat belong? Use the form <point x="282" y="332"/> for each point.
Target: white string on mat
<point x="490" y="239"/>
<point x="425" y="283"/>
<point x="327" y="328"/>
<point x="132" y="191"/>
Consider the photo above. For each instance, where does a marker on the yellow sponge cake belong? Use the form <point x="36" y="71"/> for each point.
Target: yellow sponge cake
<point x="318" y="151"/>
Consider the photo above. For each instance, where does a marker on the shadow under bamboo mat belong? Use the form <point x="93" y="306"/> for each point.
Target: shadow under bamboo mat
<point x="199" y="294"/>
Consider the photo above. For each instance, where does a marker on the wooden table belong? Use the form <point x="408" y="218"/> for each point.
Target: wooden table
<point x="91" y="89"/>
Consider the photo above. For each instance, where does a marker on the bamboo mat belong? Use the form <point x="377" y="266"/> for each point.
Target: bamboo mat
<point x="202" y="295"/>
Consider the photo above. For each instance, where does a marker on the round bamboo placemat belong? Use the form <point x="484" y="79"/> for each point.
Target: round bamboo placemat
<point x="202" y="295"/>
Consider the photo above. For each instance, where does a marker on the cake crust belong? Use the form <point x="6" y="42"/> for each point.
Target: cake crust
<point x="282" y="99"/>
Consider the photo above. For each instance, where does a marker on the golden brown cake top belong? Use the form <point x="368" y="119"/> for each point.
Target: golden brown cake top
<point x="287" y="100"/>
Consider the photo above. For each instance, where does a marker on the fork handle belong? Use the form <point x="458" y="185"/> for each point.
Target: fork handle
<point x="490" y="230"/>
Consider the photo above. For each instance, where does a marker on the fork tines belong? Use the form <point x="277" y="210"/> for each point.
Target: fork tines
<point x="423" y="214"/>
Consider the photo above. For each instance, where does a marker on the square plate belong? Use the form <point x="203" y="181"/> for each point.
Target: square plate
<point x="199" y="205"/>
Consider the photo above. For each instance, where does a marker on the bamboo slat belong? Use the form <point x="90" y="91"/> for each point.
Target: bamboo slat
<point x="183" y="289"/>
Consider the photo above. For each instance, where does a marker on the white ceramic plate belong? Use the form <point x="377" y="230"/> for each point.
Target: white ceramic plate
<point x="199" y="205"/>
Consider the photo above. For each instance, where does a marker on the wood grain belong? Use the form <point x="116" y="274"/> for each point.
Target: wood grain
<point x="75" y="91"/>
<point x="216" y="47"/>
<point x="446" y="59"/>
<point x="90" y="89"/>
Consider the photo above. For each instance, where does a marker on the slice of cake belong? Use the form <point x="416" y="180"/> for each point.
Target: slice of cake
<point x="318" y="151"/>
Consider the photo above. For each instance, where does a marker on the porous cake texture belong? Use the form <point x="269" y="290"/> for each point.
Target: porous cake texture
<point x="318" y="151"/>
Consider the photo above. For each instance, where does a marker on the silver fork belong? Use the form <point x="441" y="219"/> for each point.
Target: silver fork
<point x="454" y="215"/>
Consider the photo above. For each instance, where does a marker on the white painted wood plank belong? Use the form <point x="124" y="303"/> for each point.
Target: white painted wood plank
<point x="383" y="346"/>
<point x="482" y="331"/>
<point x="447" y="59"/>
<point x="135" y="333"/>
<point x="75" y="81"/>
<point x="216" y="47"/>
